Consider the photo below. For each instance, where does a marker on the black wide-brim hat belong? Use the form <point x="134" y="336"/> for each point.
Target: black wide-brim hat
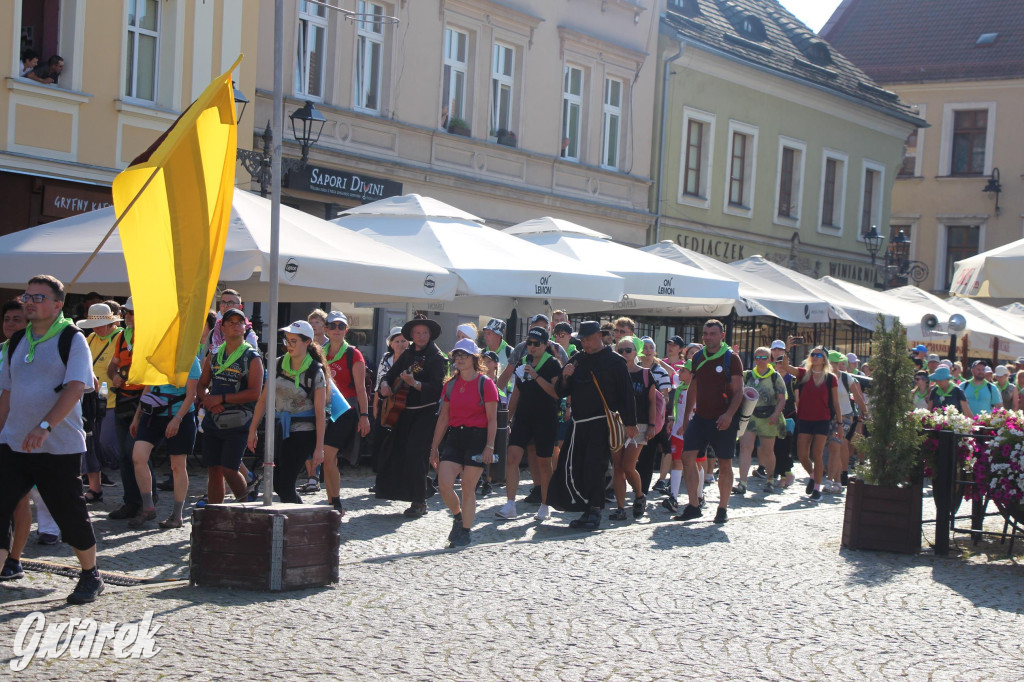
<point x="434" y="327"/>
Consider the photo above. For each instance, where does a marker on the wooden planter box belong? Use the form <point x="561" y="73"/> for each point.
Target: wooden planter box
<point x="882" y="518"/>
<point x="280" y="547"/>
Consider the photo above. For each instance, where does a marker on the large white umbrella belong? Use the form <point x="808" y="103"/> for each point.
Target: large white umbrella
<point x="911" y="314"/>
<point x="758" y="296"/>
<point x="1016" y="309"/>
<point x="842" y="306"/>
<point x="1013" y="324"/>
<point x="318" y="260"/>
<point x="992" y="274"/>
<point x="495" y="270"/>
<point x="981" y="333"/>
<point x="651" y="282"/>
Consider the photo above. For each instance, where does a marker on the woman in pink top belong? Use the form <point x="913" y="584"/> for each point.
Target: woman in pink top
<point x="467" y="423"/>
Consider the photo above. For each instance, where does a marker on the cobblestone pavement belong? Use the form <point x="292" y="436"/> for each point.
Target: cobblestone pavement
<point x="769" y="595"/>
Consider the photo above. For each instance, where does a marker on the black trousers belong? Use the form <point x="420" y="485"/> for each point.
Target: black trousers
<point x="784" y="454"/>
<point x="289" y="459"/>
<point x="60" y="485"/>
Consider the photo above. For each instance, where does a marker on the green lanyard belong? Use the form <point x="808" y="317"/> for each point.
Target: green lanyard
<point x="56" y="328"/>
<point x="706" y="360"/>
<point x="286" y="366"/>
<point x="344" y="347"/>
<point x="223" y="364"/>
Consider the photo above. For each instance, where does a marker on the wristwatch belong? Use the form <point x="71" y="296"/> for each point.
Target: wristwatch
<point x="45" y="425"/>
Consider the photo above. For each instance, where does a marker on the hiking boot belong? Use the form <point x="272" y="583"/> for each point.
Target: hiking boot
<point x="12" y="570"/>
<point x="90" y="585"/>
<point x="416" y="510"/>
<point x="689" y="513"/>
<point x="141" y="518"/>
<point x="618" y="514"/>
<point x="485" y="489"/>
<point x="507" y="511"/>
<point x="721" y="516"/>
<point x="125" y="511"/>
<point x="670" y="503"/>
<point x="639" y="507"/>
<point x="456" y="527"/>
<point x="461" y="538"/>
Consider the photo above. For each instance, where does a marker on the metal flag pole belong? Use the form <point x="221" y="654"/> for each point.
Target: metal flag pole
<point x="275" y="255"/>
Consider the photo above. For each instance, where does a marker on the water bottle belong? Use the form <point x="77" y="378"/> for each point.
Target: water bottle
<point x="480" y="458"/>
<point x="103" y="390"/>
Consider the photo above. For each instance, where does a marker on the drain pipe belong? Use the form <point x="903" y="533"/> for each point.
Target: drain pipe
<point x="661" y="142"/>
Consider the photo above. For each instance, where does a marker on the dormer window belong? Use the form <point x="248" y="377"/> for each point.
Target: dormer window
<point x="818" y="53"/>
<point x="751" y="28"/>
<point x="688" y="8"/>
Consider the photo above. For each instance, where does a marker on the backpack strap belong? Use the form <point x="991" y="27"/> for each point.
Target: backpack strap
<point x="64" y="341"/>
<point x="13" y="342"/>
<point x="480" y="379"/>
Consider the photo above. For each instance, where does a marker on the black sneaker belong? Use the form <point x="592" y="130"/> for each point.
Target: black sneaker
<point x="485" y="489"/>
<point x="456" y="527"/>
<point x="461" y="538"/>
<point x="90" y="585"/>
<point x="740" y="489"/>
<point x="534" y="496"/>
<point x="759" y="472"/>
<point x="166" y="484"/>
<point x="660" y="487"/>
<point x="618" y="514"/>
<point x="671" y="504"/>
<point x="12" y="570"/>
<point x="815" y="496"/>
<point x="125" y="511"/>
<point x="689" y="513"/>
<point x="107" y="483"/>
<point x="48" y="539"/>
<point x="336" y="504"/>
<point x="721" y="516"/>
<point x="810" y="486"/>
<point x="844" y="479"/>
<point x="639" y="507"/>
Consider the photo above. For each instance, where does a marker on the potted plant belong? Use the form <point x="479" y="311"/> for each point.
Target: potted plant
<point x="458" y="126"/>
<point x="883" y="502"/>
<point x="506" y="137"/>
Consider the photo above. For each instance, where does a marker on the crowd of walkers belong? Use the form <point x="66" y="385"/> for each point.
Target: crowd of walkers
<point x="595" y="413"/>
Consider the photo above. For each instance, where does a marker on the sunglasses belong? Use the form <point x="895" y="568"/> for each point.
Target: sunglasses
<point x="35" y="298"/>
<point x="817" y="355"/>
<point x="531" y="342"/>
<point x="760" y="357"/>
<point x="626" y="350"/>
<point x="337" y="325"/>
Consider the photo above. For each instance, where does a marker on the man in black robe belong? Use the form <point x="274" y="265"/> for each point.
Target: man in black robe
<point x="578" y="483"/>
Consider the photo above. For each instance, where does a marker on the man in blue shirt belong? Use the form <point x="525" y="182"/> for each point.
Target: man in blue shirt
<point x="982" y="395"/>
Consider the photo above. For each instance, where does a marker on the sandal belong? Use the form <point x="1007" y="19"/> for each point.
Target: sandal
<point x="93" y="496"/>
<point x="171" y="522"/>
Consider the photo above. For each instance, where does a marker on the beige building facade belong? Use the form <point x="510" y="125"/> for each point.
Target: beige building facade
<point x="510" y="111"/>
<point x="130" y="67"/>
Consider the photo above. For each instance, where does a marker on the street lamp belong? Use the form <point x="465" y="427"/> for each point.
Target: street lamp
<point x="307" y="124"/>
<point x="240" y="101"/>
<point x="873" y="243"/>
<point x="994" y="187"/>
<point x="897" y="263"/>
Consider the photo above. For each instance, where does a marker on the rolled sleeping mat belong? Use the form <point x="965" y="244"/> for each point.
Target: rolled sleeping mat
<point x="750" y="397"/>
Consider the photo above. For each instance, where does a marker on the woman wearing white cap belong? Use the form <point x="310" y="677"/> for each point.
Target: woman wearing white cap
<point x="301" y="419"/>
<point x="467" y="423"/>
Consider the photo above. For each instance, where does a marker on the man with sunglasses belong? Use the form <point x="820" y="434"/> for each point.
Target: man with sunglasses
<point x="231" y="299"/>
<point x="41" y="434"/>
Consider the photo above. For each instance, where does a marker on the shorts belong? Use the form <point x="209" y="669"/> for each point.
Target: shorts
<point x="677" y="449"/>
<point x="338" y="434"/>
<point x="461" y="443"/>
<point x="847" y="424"/>
<point x="762" y="426"/>
<point x="223" y="447"/>
<point x="542" y="431"/>
<point x="702" y="433"/>
<point x="152" y="428"/>
<point x="816" y="427"/>
<point x="641" y="432"/>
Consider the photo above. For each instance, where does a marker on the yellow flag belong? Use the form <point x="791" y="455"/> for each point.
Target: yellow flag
<point x="176" y="204"/>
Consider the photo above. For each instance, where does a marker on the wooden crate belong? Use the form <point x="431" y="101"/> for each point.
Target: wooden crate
<point x="882" y="518"/>
<point x="280" y="547"/>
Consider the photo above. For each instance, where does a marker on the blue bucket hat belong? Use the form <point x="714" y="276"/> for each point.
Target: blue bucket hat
<point x="941" y="374"/>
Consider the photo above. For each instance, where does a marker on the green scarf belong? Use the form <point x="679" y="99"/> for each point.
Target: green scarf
<point x="223" y="364"/>
<point x="286" y="367"/>
<point x="129" y="334"/>
<point x="56" y="328"/>
<point x="540" y="363"/>
<point x="947" y="393"/>
<point x="771" y="371"/>
<point x="707" y="359"/>
<point x="344" y="347"/>
<point x="109" y="337"/>
<point x="976" y="389"/>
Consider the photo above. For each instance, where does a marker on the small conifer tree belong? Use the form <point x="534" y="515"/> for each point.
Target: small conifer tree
<point x="893" y="447"/>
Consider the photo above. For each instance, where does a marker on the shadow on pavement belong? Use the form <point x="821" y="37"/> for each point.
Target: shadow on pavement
<point x="999" y="587"/>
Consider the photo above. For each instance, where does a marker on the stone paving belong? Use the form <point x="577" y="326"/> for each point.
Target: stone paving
<point x="769" y="595"/>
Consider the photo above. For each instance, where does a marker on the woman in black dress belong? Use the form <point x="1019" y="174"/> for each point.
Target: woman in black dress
<point x="419" y="375"/>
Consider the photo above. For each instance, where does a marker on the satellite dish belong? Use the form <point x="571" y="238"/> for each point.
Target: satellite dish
<point x="929" y="321"/>
<point x="957" y="323"/>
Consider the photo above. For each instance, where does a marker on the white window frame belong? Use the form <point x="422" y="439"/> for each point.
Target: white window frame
<point x="310" y="23"/>
<point x="746" y="210"/>
<point x="797" y="191"/>
<point x="946" y="145"/>
<point x="877" y="196"/>
<point x="707" y="119"/>
<point x="134" y="67"/>
<point x="922" y="111"/>
<point x="612" y="111"/>
<point x="368" y="34"/>
<point x="452" y="64"/>
<point x="571" y="100"/>
<point x="500" y="80"/>
<point x="944" y="222"/>
<point x="839" y="202"/>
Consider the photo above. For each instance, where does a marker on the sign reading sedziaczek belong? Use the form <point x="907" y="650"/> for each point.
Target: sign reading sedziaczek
<point x="342" y="183"/>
